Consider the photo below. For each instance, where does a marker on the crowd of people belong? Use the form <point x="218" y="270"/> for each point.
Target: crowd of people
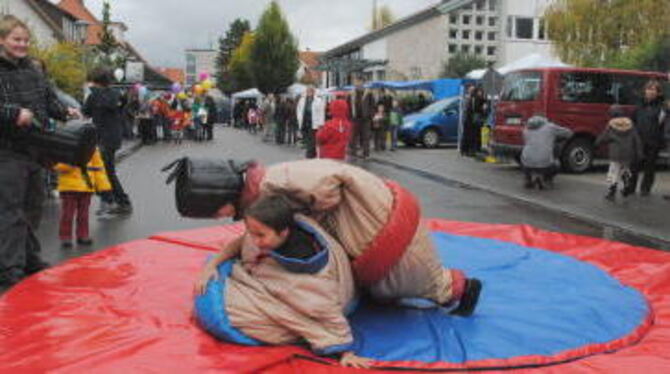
<point x="353" y="123"/>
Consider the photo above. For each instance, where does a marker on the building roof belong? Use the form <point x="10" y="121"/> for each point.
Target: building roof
<point x="173" y="74"/>
<point x="401" y="24"/>
<point x="79" y="10"/>
<point x="310" y="59"/>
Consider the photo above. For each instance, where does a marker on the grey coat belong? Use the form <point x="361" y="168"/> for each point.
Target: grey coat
<point x="624" y="143"/>
<point x="540" y="138"/>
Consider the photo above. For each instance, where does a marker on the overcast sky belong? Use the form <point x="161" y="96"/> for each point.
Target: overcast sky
<point x="162" y="29"/>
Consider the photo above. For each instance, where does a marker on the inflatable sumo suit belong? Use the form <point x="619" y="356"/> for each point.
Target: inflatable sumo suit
<point x="269" y="299"/>
<point x="377" y="222"/>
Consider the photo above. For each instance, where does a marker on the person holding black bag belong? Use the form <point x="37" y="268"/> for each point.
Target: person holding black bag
<point x="26" y="99"/>
<point x="103" y="105"/>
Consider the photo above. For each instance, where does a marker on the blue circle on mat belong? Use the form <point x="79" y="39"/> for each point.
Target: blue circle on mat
<point x="534" y="302"/>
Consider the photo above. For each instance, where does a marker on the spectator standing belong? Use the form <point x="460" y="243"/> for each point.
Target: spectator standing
<point x="210" y="107"/>
<point x="475" y="116"/>
<point x="311" y="114"/>
<point x="103" y="106"/>
<point x="333" y="137"/>
<point x="25" y="96"/>
<point x="362" y="109"/>
<point x="648" y="120"/>
<point x="291" y="122"/>
<point x="539" y="163"/>
<point x="625" y="148"/>
<point x="395" y="121"/>
<point x="380" y="128"/>
<point x="269" y="112"/>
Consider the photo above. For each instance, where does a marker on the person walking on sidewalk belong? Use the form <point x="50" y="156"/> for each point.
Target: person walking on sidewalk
<point x="539" y="163"/>
<point x="103" y="106"/>
<point x="25" y="97"/>
<point x="311" y="113"/>
<point x="625" y="148"/>
<point x="75" y="191"/>
<point x="648" y="120"/>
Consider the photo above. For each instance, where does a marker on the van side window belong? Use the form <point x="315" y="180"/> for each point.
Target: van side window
<point x="629" y="89"/>
<point x="587" y="88"/>
<point x="523" y="86"/>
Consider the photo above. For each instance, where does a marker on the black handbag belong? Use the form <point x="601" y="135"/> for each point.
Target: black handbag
<point x="203" y="186"/>
<point x="73" y="144"/>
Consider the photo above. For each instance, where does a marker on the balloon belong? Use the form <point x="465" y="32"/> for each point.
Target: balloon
<point x="176" y="87"/>
<point x="203" y="76"/>
<point x="182" y="96"/>
<point x="119" y="74"/>
<point x="142" y="92"/>
<point x="207" y="84"/>
<point x="198" y="89"/>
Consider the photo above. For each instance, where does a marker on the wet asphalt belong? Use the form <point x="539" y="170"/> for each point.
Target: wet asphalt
<point x="154" y="207"/>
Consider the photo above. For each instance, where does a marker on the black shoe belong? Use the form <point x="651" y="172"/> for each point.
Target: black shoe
<point x="37" y="267"/>
<point x="666" y="197"/>
<point x="122" y="209"/>
<point x="66" y="244"/>
<point x="468" y="302"/>
<point x="85" y="242"/>
<point x="644" y="193"/>
<point x="539" y="183"/>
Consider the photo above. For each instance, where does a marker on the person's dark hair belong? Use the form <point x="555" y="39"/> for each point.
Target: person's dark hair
<point x="101" y="76"/>
<point x="272" y="211"/>
<point x="655" y="84"/>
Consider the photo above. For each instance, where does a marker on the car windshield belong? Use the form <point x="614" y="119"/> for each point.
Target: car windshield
<point x="523" y="86"/>
<point x="438" y="106"/>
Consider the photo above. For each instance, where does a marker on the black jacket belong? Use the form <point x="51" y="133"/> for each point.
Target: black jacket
<point x="103" y="105"/>
<point x="22" y="86"/>
<point x="648" y="123"/>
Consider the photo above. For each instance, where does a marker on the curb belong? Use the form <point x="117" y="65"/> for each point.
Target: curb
<point x="592" y="220"/>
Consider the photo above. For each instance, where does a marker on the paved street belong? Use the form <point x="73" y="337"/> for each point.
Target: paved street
<point x="440" y="196"/>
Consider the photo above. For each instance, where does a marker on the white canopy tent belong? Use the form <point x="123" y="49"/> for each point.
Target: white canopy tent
<point x="528" y="62"/>
<point x="252" y="93"/>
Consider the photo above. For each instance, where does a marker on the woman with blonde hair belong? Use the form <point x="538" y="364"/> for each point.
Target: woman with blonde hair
<point x="26" y="98"/>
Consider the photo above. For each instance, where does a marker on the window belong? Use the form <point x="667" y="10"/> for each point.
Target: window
<point x="481" y="4"/>
<point x="479" y="49"/>
<point x="453" y="34"/>
<point x="453" y="19"/>
<point x="492" y="5"/>
<point x="491" y="36"/>
<point x="479" y="20"/>
<point x="587" y="88"/>
<point x="493" y="21"/>
<point x="627" y="89"/>
<point x="466" y="34"/>
<point x="541" y="32"/>
<point x="491" y="51"/>
<point x="521" y="86"/>
<point x="465" y="48"/>
<point x="466" y="20"/>
<point x="453" y="48"/>
<point x="479" y="35"/>
<point x="524" y="28"/>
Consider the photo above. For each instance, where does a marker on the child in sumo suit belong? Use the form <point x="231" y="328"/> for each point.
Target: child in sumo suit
<point x="292" y="282"/>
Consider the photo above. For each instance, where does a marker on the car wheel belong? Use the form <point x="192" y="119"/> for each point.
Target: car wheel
<point x="578" y="155"/>
<point x="430" y="138"/>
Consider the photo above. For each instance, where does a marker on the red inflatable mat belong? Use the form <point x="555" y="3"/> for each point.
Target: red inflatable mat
<point x="128" y="309"/>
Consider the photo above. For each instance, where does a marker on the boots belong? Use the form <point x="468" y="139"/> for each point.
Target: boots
<point x="468" y="303"/>
<point x="611" y="193"/>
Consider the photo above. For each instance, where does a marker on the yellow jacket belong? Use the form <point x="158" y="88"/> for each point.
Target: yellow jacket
<point x="70" y="178"/>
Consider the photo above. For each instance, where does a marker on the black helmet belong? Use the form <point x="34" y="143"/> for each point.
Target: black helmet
<point x="206" y="185"/>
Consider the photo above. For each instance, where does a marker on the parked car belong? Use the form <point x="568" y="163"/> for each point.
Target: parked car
<point x="576" y="98"/>
<point x="433" y="125"/>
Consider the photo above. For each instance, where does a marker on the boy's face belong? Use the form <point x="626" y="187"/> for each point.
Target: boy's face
<point x="264" y="237"/>
<point x="16" y="43"/>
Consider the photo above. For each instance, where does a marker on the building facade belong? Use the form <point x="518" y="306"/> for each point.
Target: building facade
<point x="417" y="46"/>
<point x="48" y="23"/>
<point x="199" y="61"/>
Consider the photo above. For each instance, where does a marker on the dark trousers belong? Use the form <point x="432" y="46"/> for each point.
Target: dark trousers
<point x="309" y="139"/>
<point x="74" y="204"/>
<point x="208" y="128"/>
<point x="647" y="166"/>
<point x="117" y="194"/>
<point x="19" y="247"/>
<point x="379" y="139"/>
<point x="291" y="133"/>
<point x="280" y="132"/>
<point x="360" y="137"/>
<point x="167" y="132"/>
<point x="547" y="174"/>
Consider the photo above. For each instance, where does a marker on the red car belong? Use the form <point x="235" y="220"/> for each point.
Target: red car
<point x="576" y="98"/>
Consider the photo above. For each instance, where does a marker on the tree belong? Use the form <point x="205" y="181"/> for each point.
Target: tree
<point x="274" y="55"/>
<point x="461" y="64"/>
<point x="598" y="33"/>
<point x="382" y="17"/>
<point x="65" y="65"/>
<point x="227" y="46"/>
<point x="108" y="46"/>
<point x="241" y="75"/>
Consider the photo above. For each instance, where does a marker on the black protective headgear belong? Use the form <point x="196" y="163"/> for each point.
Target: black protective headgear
<point x="206" y="185"/>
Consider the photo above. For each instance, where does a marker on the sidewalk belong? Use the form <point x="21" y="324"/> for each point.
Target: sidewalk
<point x="128" y="147"/>
<point x="576" y="196"/>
